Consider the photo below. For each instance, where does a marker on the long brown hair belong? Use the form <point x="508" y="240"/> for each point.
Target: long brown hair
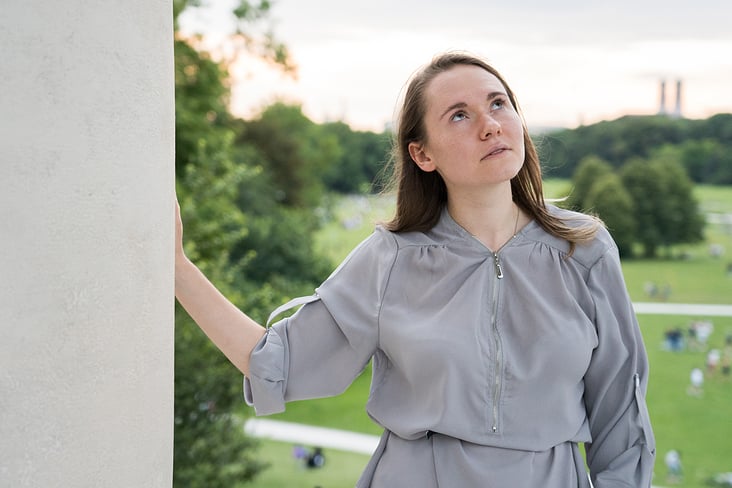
<point x="421" y="196"/>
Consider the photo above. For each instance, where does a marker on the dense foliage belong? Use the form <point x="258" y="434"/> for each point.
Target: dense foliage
<point x="703" y="147"/>
<point x="217" y="180"/>
<point x="210" y="449"/>
<point x="362" y="158"/>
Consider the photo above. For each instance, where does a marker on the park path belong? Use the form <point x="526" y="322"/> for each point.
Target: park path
<point x="693" y="309"/>
<point x="309" y="435"/>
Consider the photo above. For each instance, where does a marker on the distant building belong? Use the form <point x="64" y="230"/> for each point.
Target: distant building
<point x="662" y="101"/>
<point x="677" y="111"/>
<point x="677" y="106"/>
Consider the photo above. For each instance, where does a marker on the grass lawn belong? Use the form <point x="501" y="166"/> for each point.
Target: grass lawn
<point x="698" y="426"/>
<point x="341" y="469"/>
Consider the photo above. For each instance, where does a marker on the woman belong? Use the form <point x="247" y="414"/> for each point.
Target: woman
<point x="500" y="329"/>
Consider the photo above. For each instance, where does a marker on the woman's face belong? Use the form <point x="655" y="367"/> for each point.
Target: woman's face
<point x="475" y="137"/>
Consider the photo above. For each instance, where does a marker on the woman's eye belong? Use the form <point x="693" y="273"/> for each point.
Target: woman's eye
<point x="458" y="116"/>
<point x="497" y="104"/>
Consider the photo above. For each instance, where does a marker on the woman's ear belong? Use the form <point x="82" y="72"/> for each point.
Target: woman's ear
<point x="420" y="156"/>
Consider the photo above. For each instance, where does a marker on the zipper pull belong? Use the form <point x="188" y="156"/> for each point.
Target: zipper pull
<point x="497" y="262"/>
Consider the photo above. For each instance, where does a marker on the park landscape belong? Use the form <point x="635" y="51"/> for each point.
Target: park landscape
<point x="272" y="203"/>
<point x="698" y="427"/>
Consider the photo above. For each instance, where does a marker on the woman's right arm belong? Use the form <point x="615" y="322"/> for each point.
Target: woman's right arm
<point x="233" y="332"/>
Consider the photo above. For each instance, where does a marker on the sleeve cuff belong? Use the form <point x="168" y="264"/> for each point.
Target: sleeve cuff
<point x="264" y="388"/>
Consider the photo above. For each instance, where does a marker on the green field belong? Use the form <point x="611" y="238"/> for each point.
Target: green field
<point x="698" y="426"/>
<point x="341" y="469"/>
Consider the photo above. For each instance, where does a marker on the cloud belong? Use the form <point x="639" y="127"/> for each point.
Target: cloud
<point x="522" y="21"/>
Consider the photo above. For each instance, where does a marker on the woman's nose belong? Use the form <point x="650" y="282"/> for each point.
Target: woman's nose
<point x="490" y="126"/>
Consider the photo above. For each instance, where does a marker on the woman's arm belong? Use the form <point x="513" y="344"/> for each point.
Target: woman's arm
<point x="233" y="332"/>
<point x="623" y="449"/>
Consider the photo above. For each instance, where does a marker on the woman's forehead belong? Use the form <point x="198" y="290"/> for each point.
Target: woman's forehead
<point x="459" y="82"/>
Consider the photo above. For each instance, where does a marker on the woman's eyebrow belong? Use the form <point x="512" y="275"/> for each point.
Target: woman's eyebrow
<point x="453" y="107"/>
<point x="490" y="97"/>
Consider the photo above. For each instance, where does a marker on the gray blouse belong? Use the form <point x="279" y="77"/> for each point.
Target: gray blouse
<point x="488" y="367"/>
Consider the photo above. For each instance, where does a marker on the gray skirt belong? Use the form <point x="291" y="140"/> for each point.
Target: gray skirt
<point x="437" y="461"/>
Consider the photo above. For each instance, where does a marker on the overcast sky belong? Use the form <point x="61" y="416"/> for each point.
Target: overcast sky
<point x="569" y="61"/>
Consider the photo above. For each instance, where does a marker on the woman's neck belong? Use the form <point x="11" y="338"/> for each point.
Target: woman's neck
<point x="492" y="218"/>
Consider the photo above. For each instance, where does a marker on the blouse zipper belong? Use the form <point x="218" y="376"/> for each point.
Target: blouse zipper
<point x="497" y="337"/>
<point x="497" y="262"/>
<point x="499" y="350"/>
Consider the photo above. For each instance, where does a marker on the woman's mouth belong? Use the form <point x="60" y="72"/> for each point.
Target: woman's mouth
<point x="496" y="151"/>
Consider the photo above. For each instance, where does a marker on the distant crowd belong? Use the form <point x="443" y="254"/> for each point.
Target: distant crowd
<point x="696" y="338"/>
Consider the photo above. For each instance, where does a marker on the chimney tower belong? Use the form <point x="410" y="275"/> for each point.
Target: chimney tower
<point x="662" y="104"/>
<point x="677" y="106"/>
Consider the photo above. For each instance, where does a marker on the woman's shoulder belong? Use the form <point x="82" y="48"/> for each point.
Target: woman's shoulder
<point x="439" y="235"/>
<point x="383" y="244"/>
<point x="375" y="255"/>
<point x="380" y="243"/>
<point x="587" y="253"/>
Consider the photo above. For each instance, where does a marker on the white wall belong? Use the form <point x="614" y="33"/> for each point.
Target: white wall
<point x="86" y="264"/>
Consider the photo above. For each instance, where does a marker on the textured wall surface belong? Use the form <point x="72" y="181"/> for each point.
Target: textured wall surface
<point x="86" y="231"/>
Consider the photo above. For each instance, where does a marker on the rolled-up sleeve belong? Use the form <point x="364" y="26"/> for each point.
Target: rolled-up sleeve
<point x="623" y="449"/>
<point x="266" y="379"/>
<point x="326" y="344"/>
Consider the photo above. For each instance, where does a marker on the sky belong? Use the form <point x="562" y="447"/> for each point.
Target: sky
<point x="570" y="62"/>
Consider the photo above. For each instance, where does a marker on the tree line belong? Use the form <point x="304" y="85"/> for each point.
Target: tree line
<point x="702" y="147"/>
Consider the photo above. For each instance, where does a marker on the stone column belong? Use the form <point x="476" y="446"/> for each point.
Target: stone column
<point x="86" y="231"/>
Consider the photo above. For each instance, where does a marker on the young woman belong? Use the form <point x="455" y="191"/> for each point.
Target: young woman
<point x="499" y="326"/>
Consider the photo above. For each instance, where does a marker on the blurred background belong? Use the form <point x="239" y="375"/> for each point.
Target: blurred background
<point x="283" y="118"/>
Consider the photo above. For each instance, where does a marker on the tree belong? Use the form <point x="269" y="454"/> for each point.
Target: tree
<point x="210" y="447"/>
<point x="717" y="127"/>
<point x="590" y="170"/>
<point x="611" y="202"/>
<point x="296" y="153"/>
<point x="706" y="160"/>
<point x="682" y="220"/>
<point x="250" y="28"/>
<point x="664" y="207"/>
<point x="360" y="161"/>
<point x="201" y="101"/>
